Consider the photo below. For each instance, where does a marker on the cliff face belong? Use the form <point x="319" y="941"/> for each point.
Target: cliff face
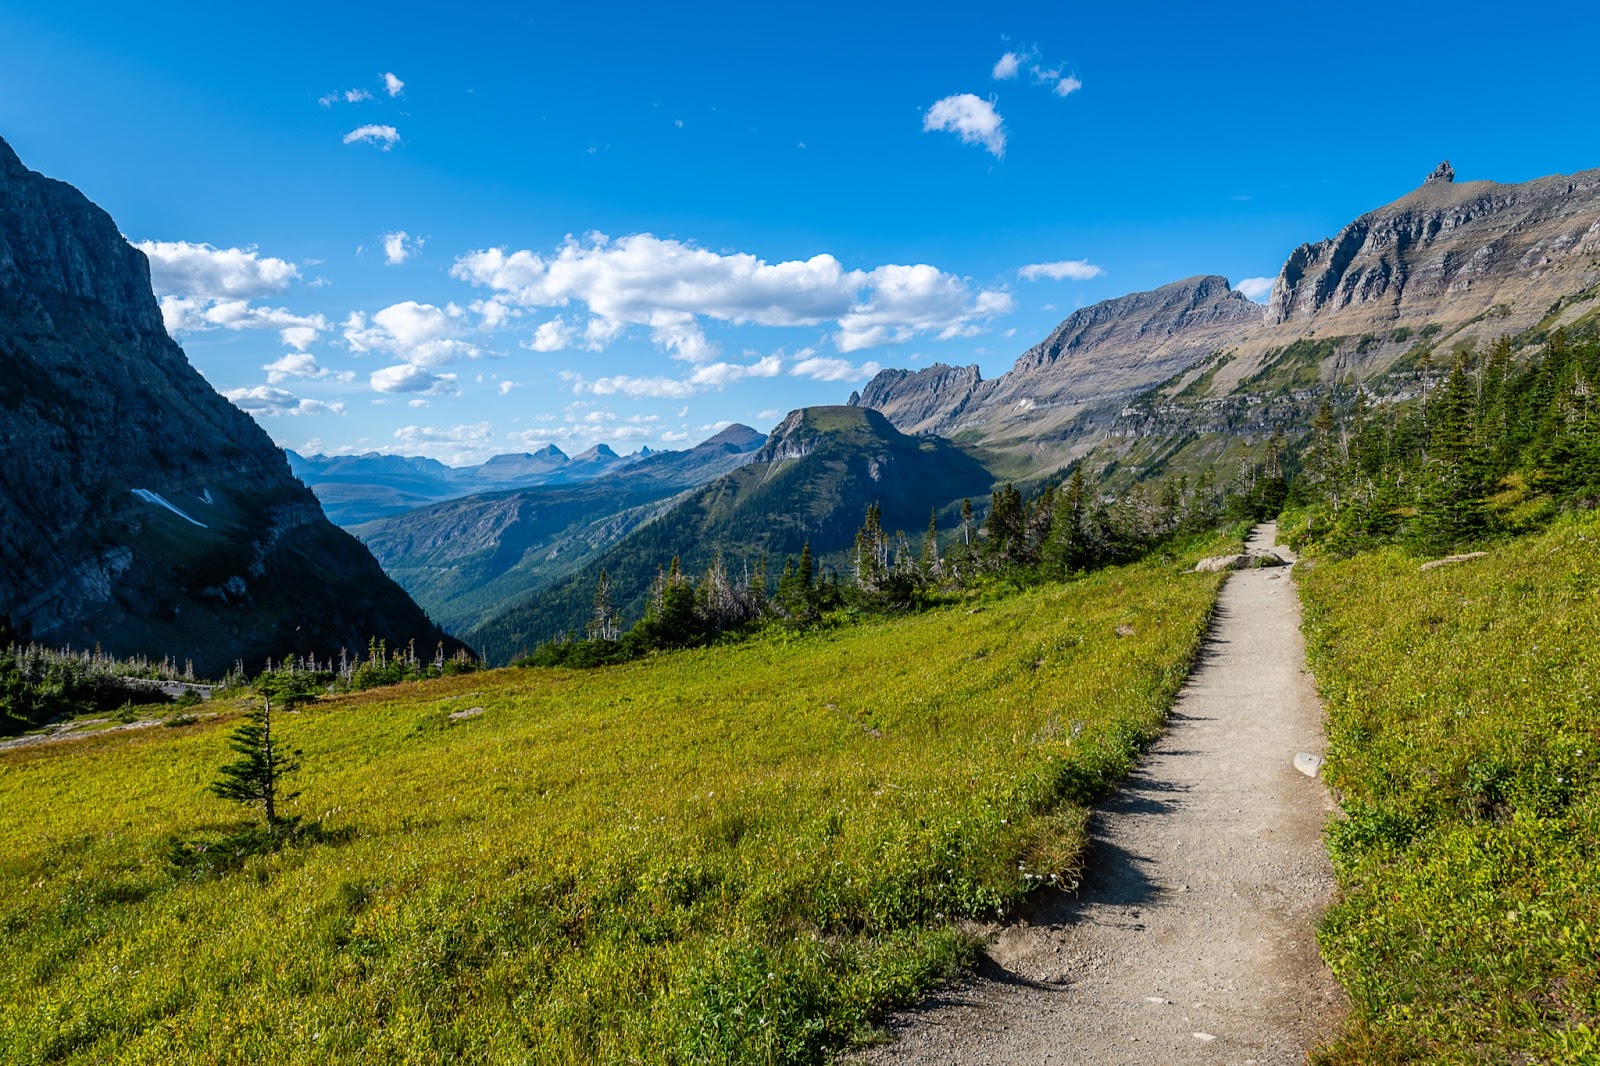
<point x="1437" y="253"/>
<point x="138" y="508"/>
<point x="1446" y="266"/>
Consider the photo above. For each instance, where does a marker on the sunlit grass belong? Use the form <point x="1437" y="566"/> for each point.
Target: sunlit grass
<point x="1464" y="712"/>
<point x="740" y="854"/>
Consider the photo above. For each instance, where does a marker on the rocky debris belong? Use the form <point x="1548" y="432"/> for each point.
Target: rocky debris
<point x="1254" y="559"/>
<point x="465" y="713"/>
<point x="1449" y="559"/>
<point x="1308" y="764"/>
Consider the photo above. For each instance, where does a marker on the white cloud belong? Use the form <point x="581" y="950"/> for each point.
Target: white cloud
<point x="266" y="400"/>
<point x="823" y="368"/>
<point x="204" y="272"/>
<point x="418" y="403"/>
<point x="384" y="136"/>
<point x="673" y="437"/>
<point x="349" y="96"/>
<point x="1005" y="68"/>
<point x="408" y="377"/>
<point x="202" y="287"/>
<point x="400" y="246"/>
<point x="971" y="118"/>
<point x="624" y="385"/>
<point x="470" y="443"/>
<point x="551" y="336"/>
<point x="666" y="285"/>
<point x="1067" y="85"/>
<point x="419" y="333"/>
<point x="909" y="299"/>
<point x="505" y="387"/>
<point x="393" y="85"/>
<point x="719" y="375"/>
<point x="1257" y="289"/>
<point x="1073" y="269"/>
<point x="301" y="365"/>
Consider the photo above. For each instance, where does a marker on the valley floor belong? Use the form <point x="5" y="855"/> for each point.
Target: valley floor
<point x="1193" y="940"/>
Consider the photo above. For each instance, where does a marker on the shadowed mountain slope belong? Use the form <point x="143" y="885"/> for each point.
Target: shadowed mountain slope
<point x="139" y="510"/>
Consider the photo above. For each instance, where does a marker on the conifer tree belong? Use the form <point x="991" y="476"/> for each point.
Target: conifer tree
<point x="264" y="761"/>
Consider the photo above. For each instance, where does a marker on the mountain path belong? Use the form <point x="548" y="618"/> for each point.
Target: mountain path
<point x="1192" y="939"/>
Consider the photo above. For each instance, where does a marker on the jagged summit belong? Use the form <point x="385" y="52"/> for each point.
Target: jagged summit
<point x="1443" y="174"/>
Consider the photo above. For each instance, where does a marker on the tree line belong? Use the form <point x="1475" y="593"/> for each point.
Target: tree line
<point x="1495" y="446"/>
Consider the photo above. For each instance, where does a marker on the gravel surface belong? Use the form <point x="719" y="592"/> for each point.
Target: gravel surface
<point x="1192" y="939"/>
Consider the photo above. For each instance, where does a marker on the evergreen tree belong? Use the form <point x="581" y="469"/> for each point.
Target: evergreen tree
<point x="932" y="569"/>
<point x="264" y="761"/>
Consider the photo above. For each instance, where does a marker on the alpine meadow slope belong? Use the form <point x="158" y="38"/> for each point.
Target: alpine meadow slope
<point x="738" y="854"/>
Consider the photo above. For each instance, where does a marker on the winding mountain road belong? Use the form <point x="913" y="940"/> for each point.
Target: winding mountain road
<point x="1192" y="939"/>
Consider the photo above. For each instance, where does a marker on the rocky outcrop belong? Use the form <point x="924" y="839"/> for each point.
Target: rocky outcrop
<point x="138" y="508"/>
<point x="1447" y="252"/>
<point x="1097" y="357"/>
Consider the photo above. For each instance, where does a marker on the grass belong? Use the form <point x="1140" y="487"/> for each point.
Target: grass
<point x="739" y="854"/>
<point x="1464" y="721"/>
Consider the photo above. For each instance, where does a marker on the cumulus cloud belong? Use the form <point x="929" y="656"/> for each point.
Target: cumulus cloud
<point x="419" y="333"/>
<point x="393" y="85"/>
<point x="636" y="387"/>
<point x="1257" y="289"/>
<point x="1006" y="67"/>
<point x="505" y="387"/>
<point x="668" y="285"/>
<point x="272" y="402"/>
<point x="385" y="137"/>
<point x="202" y="287"/>
<point x="719" y="375"/>
<point x="1065" y="269"/>
<point x="971" y="118"/>
<point x="673" y="436"/>
<point x="301" y="365"/>
<point x="205" y="272"/>
<point x="400" y="246"/>
<point x="1066" y="85"/>
<point x="408" y="377"/>
<point x="824" y="368"/>
<point x="552" y="336"/>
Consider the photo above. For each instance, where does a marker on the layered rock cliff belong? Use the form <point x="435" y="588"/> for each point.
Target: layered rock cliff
<point x="138" y="508"/>
<point x="1096" y="358"/>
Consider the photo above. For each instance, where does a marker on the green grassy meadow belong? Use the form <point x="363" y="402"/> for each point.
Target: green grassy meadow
<point x="1464" y="723"/>
<point x="739" y="854"/>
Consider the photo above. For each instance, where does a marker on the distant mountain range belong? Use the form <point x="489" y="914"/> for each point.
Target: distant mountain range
<point x="139" y="510"/>
<point x="465" y="559"/>
<point x="809" y="482"/>
<point x="359" y="488"/>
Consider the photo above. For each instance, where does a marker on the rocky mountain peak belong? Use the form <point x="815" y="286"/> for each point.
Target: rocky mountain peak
<point x="1443" y="174"/>
<point x="139" y="509"/>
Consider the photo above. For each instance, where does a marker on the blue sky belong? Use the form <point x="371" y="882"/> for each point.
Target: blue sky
<point x="463" y="229"/>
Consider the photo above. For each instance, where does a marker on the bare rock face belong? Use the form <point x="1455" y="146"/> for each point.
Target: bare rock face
<point x="1098" y="356"/>
<point x="138" y="508"/>
<point x="1446" y="252"/>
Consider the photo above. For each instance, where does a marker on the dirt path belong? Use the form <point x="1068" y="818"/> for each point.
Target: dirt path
<point x="1192" y="939"/>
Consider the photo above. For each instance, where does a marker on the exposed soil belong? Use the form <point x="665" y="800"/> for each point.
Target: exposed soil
<point x="1192" y="939"/>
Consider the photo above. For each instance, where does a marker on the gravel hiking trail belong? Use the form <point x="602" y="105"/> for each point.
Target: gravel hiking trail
<point x="1192" y="939"/>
